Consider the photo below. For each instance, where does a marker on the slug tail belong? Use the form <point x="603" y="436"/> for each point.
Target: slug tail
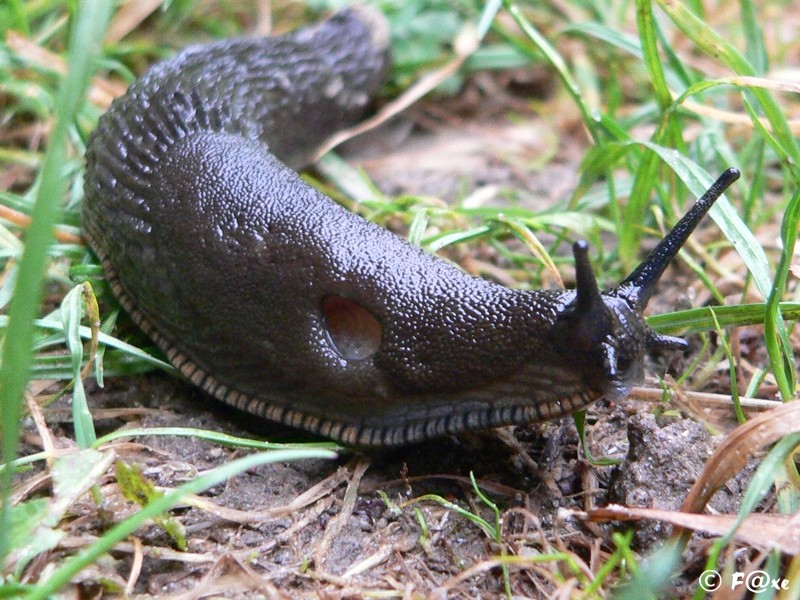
<point x="639" y="286"/>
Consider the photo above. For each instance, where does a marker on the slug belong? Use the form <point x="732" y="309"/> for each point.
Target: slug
<point x="276" y="300"/>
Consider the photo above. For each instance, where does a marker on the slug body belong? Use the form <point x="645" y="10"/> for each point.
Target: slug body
<point x="275" y="299"/>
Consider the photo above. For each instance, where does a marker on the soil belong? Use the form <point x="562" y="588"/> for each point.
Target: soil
<point x="533" y="472"/>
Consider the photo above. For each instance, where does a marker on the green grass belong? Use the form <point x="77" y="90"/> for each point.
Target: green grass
<point x="628" y="76"/>
<point x="84" y="47"/>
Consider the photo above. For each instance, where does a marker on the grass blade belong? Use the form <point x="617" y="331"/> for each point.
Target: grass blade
<point x="698" y="320"/>
<point x="120" y="531"/>
<point x="778" y="345"/>
<point x="91" y="18"/>
<point x="71" y="315"/>
<point x="652" y="59"/>
<point x="558" y="63"/>
<point x="714" y="45"/>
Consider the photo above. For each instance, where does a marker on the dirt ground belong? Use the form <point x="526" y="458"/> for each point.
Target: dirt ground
<point x="348" y="539"/>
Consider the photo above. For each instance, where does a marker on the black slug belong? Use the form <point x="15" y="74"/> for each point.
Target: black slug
<point x="276" y="300"/>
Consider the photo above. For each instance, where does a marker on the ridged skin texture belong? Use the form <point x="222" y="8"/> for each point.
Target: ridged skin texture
<point x="224" y="256"/>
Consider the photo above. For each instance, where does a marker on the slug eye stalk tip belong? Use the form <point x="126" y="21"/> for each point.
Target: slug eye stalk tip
<point x="639" y="286"/>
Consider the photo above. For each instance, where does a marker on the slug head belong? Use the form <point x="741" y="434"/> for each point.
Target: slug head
<point x="605" y="333"/>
